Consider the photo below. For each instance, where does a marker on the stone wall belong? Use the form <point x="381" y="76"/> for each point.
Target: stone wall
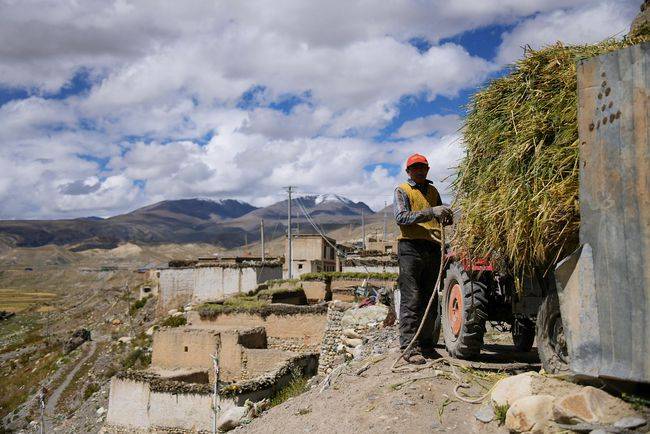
<point x="306" y="328"/>
<point x="189" y="350"/>
<point x="370" y="269"/>
<point x="142" y="401"/>
<point x="256" y="362"/>
<point x="132" y="404"/>
<point x="331" y="337"/>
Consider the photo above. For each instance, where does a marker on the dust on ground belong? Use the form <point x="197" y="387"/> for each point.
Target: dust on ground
<point x="364" y="395"/>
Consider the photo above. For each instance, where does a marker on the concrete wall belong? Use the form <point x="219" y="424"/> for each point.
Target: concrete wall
<point x="176" y="288"/>
<point x="132" y="404"/>
<point x="217" y="283"/>
<point x="179" y="286"/>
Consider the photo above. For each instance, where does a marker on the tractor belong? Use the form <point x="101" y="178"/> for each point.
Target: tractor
<point x="590" y="313"/>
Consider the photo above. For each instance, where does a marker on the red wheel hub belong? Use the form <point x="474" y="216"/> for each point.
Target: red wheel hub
<point x="455" y="309"/>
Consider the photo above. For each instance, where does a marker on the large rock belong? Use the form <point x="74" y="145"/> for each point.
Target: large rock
<point x="364" y="316"/>
<point x="591" y="405"/>
<point x="231" y="418"/>
<point x="530" y="414"/>
<point x="78" y="337"/>
<point x="510" y="389"/>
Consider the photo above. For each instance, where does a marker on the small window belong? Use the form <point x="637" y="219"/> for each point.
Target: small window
<point x="186" y="349"/>
<point x="299" y="266"/>
<point x="146" y="289"/>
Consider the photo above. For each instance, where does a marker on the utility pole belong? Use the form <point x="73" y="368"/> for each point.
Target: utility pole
<point x="384" y="239"/>
<point x="216" y="408"/>
<point x="289" y="253"/>
<point x="262" y="237"/>
<point x="363" y="231"/>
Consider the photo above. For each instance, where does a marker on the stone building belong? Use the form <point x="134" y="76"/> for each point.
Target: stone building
<point x="311" y="254"/>
<point x="212" y="281"/>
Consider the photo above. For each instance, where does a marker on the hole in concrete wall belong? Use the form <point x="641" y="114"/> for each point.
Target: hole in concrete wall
<point x="186" y="349"/>
<point x="146" y="290"/>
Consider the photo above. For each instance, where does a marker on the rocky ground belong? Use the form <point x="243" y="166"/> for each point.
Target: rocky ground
<point x="366" y="395"/>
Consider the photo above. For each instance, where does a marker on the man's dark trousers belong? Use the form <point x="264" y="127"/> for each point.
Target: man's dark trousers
<point x="419" y="262"/>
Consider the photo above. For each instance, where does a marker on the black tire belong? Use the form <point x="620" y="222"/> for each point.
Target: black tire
<point x="523" y="334"/>
<point x="467" y="342"/>
<point x="551" y="344"/>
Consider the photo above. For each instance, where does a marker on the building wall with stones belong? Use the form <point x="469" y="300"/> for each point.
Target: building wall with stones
<point x="370" y="269"/>
<point x="298" y="332"/>
<point x="183" y="350"/>
<point x="132" y="404"/>
<point x="145" y="401"/>
<point x="331" y="338"/>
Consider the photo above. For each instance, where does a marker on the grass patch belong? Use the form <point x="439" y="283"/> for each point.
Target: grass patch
<point x="637" y="402"/>
<point x="500" y="413"/>
<point x="139" y="304"/>
<point x="18" y="300"/>
<point x="90" y="389"/>
<point x="296" y="387"/>
<point x="174" y="321"/>
<point x="19" y="382"/>
<point x="517" y="186"/>
<point x="138" y="359"/>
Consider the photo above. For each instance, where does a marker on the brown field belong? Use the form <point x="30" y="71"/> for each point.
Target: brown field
<point x="18" y="300"/>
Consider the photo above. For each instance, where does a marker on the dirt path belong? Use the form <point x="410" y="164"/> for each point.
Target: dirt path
<point x="53" y="400"/>
<point x="379" y="400"/>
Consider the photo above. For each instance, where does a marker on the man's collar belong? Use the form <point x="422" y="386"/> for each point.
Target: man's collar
<point x="414" y="184"/>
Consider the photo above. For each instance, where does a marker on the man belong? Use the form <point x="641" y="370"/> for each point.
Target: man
<point x="418" y="210"/>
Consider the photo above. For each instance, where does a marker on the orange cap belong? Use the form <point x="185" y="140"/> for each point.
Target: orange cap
<point x="416" y="158"/>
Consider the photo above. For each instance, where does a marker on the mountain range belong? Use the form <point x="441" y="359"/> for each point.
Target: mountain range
<point x="228" y="223"/>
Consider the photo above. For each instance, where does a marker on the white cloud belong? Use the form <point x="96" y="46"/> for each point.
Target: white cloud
<point x="589" y="24"/>
<point x="439" y="124"/>
<point x="167" y="78"/>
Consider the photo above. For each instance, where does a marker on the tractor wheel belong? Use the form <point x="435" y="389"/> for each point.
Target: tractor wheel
<point x="551" y="342"/>
<point x="523" y="334"/>
<point x="464" y="312"/>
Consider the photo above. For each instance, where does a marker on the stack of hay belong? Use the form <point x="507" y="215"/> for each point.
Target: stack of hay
<point x="517" y="186"/>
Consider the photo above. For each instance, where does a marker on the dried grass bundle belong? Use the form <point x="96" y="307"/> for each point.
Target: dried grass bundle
<point x="517" y="186"/>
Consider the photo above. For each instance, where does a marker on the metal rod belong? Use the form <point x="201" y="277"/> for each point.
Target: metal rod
<point x="216" y="408"/>
<point x="289" y="241"/>
<point x="262" y="237"/>
<point x="363" y="231"/>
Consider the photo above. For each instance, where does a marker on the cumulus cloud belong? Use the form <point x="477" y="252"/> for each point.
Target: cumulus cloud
<point x="438" y="124"/>
<point x="237" y="99"/>
<point x="588" y="24"/>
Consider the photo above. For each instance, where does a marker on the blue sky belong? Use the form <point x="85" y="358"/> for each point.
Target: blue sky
<point x="108" y="106"/>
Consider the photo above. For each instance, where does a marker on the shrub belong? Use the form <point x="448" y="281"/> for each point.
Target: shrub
<point x="174" y="321"/>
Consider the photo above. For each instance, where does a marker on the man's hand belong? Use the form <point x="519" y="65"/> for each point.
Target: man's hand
<point x="443" y="214"/>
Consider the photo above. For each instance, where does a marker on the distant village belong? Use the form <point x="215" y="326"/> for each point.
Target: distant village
<point x="248" y="326"/>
